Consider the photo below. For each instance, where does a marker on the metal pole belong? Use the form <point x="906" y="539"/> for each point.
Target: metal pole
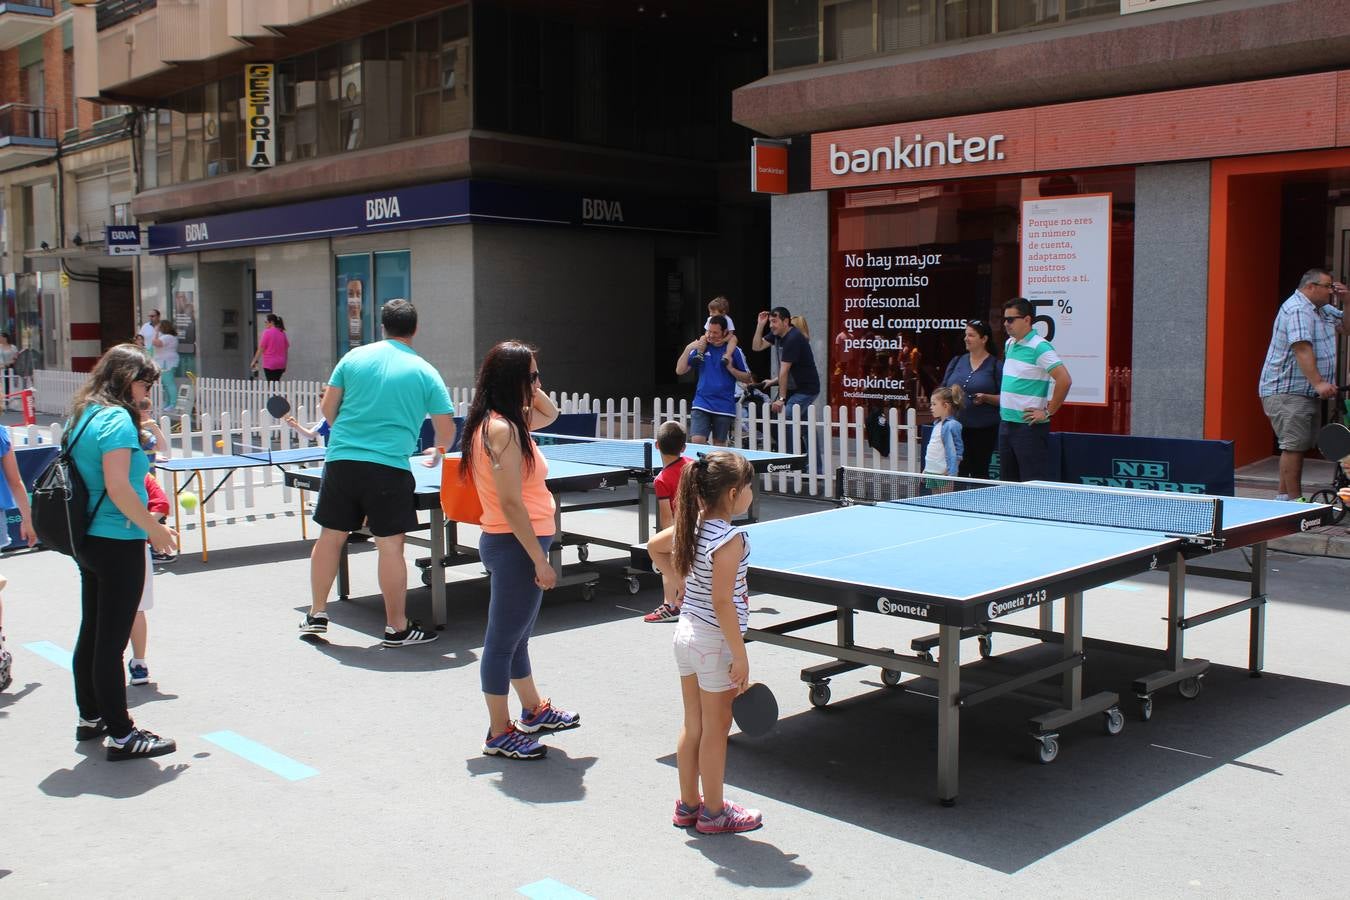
<point x="949" y="712"/>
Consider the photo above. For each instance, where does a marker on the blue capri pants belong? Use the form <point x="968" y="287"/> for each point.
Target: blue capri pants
<point x="512" y="609"/>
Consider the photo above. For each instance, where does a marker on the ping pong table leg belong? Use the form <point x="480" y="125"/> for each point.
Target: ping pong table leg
<point x="1047" y="615"/>
<point x="1256" y="653"/>
<point x="644" y="513"/>
<point x="1176" y="613"/>
<point x="949" y="712"/>
<point x="201" y="510"/>
<point x="1071" y="688"/>
<point x="436" y="570"/>
<point x="177" y="521"/>
<point x="304" y="529"/>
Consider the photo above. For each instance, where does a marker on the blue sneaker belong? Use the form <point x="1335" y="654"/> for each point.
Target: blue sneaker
<point x="547" y="718"/>
<point x="513" y="744"/>
<point x="140" y="672"/>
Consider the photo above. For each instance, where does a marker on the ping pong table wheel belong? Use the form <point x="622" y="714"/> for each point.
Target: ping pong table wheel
<point x="583" y="552"/>
<point x="986" y="642"/>
<point x="820" y="695"/>
<point x="891" y="677"/>
<point x="1113" y="722"/>
<point x="588" y="592"/>
<point x="634" y="585"/>
<point x="1048" y="751"/>
<point x="426" y="577"/>
<point x="1189" y="688"/>
<point x="926" y="656"/>
<point x="1145" y="708"/>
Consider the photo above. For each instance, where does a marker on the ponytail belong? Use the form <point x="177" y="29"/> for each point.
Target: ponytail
<point x="954" y="396"/>
<point x="702" y="483"/>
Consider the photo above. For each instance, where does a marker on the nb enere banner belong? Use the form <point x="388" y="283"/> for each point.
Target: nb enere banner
<point x="259" y="101"/>
<point x="899" y="314"/>
<point x="1066" y="274"/>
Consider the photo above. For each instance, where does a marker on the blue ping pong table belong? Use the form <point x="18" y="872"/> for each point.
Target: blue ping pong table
<point x="195" y="468"/>
<point x="442" y="540"/>
<point x="962" y="560"/>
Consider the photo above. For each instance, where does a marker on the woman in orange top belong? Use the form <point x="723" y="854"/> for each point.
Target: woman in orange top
<point x="509" y="474"/>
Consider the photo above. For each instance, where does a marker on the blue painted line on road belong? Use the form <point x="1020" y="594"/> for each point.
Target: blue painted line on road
<point x="53" y="654"/>
<point x="259" y="755"/>
<point x="549" y="889"/>
<point x="1125" y="586"/>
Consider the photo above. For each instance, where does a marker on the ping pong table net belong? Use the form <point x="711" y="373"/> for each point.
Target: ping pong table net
<point x="1192" y="518"/>
<point x="260" y="452"/>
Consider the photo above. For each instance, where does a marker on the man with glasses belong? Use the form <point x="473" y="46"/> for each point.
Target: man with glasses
<point x="150" y="329"/>
<point x="1299" y="371"/>
<point x="1035" y="383"/>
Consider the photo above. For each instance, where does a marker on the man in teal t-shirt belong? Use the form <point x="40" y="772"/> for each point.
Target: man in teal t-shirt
<point x="376" y="400"/>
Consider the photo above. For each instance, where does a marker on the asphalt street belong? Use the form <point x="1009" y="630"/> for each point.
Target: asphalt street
<point x="318" y="769"/>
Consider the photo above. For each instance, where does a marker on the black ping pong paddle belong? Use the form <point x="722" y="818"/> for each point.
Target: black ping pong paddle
<point x="1334" y="441"/>
<point x="278" y="406"/>
<point x="756" y="710"/>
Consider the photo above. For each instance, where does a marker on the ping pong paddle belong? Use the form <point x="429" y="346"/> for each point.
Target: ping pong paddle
<point x="278" y="406"/>
<point x="756" y="710"/>
<point x="1334" y="441"/>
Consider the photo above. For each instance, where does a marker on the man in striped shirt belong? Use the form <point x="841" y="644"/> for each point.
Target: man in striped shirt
<point x="1035" y="383"/>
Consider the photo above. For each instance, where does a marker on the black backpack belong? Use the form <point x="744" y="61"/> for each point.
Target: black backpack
<point x="60" y="505"/>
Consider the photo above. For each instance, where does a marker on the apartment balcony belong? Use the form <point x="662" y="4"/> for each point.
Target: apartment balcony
<point x="27" y="134"/>
<point x="24" y="20"/>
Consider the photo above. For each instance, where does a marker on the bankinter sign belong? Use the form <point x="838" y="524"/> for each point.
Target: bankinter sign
<point x="259" y="88"/>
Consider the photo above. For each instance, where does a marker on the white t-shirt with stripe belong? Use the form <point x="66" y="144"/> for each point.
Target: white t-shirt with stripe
<point x="1027" y="365"/>
<point x="698" y="605"/>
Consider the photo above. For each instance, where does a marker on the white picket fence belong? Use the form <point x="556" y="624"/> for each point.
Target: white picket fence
<point x="228" y="409"/>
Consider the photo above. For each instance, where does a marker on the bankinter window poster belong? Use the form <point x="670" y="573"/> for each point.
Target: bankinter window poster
<point x="899" y="315"/>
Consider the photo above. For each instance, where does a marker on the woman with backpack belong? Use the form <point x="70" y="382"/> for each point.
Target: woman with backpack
<point x="104" y="442"/>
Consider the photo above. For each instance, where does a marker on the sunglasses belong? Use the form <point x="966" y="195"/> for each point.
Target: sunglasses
<point x="534" y="377"/>
<point x="1007" y="319"/>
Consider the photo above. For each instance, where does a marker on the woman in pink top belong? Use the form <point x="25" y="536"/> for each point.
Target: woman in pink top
<point x="273" y="346"/>
<point x="510" y="475"/>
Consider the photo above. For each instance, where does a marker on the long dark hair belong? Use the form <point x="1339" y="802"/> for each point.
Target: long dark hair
<point x="276" y="320"/>
<point x="981" y="327"/>
<point x="109" y="383"/>
<point x="702" y="484"/>
<point x="504" y="388"/>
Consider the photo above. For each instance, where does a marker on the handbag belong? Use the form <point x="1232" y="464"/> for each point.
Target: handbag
<point x="459" y="497"/>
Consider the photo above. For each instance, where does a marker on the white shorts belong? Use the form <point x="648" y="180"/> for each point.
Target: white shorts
<point x="148" y="591"/>
<point x="703" y="651"/>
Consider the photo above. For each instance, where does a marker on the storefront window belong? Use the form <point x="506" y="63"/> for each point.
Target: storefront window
<point x="354" y="303"/>
<point x="912" y="265"/>
<point x="183" y="310"/>
<point x="393" y="276"/>
<point x="795" y="33"/>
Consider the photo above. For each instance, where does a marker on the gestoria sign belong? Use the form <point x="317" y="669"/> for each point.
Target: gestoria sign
<point x="962" y="146"/>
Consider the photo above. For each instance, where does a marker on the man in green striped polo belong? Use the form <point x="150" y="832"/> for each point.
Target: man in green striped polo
<point x="1035" y="383"/>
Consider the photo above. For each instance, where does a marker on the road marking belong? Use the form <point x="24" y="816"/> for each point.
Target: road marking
<point x="259" y="755"/>
<point x="549" y="889"/>
<point x="1175" y="750"/>
<point x="50" y="652"/>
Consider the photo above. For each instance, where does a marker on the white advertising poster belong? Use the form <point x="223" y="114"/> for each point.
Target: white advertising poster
<point x="1066" y="269"/>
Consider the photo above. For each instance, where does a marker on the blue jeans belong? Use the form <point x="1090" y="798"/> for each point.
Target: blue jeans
<point x="170" y="388"/>
<point x="512" y="608"/>
<point x="803" y="401"/>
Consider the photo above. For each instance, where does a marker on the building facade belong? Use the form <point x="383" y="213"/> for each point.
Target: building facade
<point x="1154" y="176"/>
<point x="566" y="173"/>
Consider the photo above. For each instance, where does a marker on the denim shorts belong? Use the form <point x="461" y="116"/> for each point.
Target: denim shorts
<point x="702" y="422"/>
<point x="702" y="650"/>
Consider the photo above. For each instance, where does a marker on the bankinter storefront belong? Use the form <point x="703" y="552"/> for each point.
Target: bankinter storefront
<point x="1155" y="235"/>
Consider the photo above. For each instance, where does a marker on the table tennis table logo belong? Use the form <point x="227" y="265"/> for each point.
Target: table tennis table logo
<point x="780" y="467"/>
<point x="1021" y="601"/>
<point x="1143" y="475"/>
<point x="889" y="607"/>
<point x="1308" y="524"/>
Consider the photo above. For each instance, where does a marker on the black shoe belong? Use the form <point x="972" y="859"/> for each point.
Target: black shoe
<point x="141" y="744"/>
<point x="314" y="624"/>
<point x="163" y="558"/>
<point x="413" y="634"/>
<point x="88" y="729"/>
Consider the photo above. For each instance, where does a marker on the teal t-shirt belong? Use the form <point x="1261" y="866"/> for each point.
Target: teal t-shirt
<point x="387" y="391"/>
<point x="109" y="428"/>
